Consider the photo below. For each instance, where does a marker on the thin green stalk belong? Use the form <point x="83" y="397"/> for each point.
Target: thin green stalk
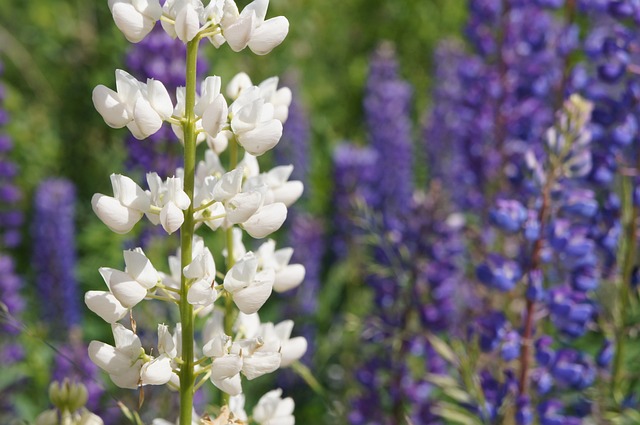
<point x="187" y="378"/>
<point x="628" y="251"/>
<point x="229" y="315"/>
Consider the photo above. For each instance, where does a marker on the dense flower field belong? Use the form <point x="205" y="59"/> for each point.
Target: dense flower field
<point x="420" y="212"/>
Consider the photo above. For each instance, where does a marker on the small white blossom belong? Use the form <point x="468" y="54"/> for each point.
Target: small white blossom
<point x="130" y="287"/>
<point x="272" y="409"/>
<point x="249" y="288"/>
<point x="288" y="276"/>
<point x="127" y="364"/>
<point x="135" y="18"/>
<point x="170" y="198"/>
<point x="186" y="18"/>
<point x="253" y="122"/>
<point x="203" y="271"/>
<point x="125" y="208"/>
<point x="138" y="106"/>
<point x="249" y="28"/>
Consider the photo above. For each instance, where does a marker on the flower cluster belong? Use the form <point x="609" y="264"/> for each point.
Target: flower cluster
<point x="160" y="57"/>
<point x="234" y="342"/>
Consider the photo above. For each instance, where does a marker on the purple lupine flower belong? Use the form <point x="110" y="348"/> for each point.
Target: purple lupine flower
<point x="354" y="176"/>
<point x="508" y="215"/>
<point x="160" y="57"/>
<point x="54" y="255"/>
<point x="387" y="106"/>
<point x="499" y="273"/>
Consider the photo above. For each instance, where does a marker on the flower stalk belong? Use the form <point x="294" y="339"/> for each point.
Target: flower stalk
<point x="187" y="378"/>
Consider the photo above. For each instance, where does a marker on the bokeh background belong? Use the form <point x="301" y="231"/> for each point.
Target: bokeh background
<point x="440" y="265"/>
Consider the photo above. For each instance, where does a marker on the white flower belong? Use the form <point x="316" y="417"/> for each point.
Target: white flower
<point x="253" y="122"/>
<point x="203" y="270"/>
<point x="280" y="98"/>
<point x="288" y="276"/>
<point x="135" y="18"/>
<point x="249" y="288"/>
<point x="266" y="220"/>
<point x="126" y="363"/>
<point x="238" y="83"/>
<point x="280" y="188"/>
<point x="170" y="198"/>
<point x="186" y="16"/>
<point x="272" y="409"/>
<point x="131" y="286"/>
<point x="274" y="338"/>
<point x="249" y="28"/>
<point x="122" y="211"/>
<point x="141" y="107"/>
<point x="212" y="107"/>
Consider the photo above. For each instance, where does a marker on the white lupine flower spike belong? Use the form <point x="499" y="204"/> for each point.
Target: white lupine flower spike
<point x="207" y="194"/>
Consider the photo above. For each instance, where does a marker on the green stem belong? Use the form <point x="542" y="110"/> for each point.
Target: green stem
<point x="187" y="378"/>
<point x="628" y="251"/>
<point x="229" y="315"/>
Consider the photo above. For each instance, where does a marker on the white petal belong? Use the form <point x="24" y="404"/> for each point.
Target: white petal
<point x="269" y="35"/>
<point x="288" y="193"/>
<point x="293" y="350"/>
<point x="242" y="273"/>
<point x="149" y="8"/>
<point x="140" y="268"/>
<point x="250" y="299"/>
<point x="238" y="83"/>
<point x="116" y="216"/>
<point x="238" y="33"/>
<point x="146" y="118"/>
<point x="126" y="289"/>
<point x="129" y="193"/>
<point x="259" y="364"/>
<point x="215" y="116"/>
<point x="266" y="220"/>
<point x="289" y="277"/>
<point x="201" y="293"/>
<point x="159" y="98"/>
<point x="171" y="217"/>
<point x="187" y="23"/>
<point x="105" y="305"/>
<point x="166" y="345"/>
<point x="231" y="386"/>
<point x="157" y="371"/>
<point x="262" y="138"/>
<point x="225" y="367"/>
<point x="126" y="341"/>
<point x="129" y="378"/>
<point x="133" y="24"/>
<point x="108" y="358"/>
<point x="108" y="104"/>
<point x="242" y="206"/>
<point x="210" y="89"/>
